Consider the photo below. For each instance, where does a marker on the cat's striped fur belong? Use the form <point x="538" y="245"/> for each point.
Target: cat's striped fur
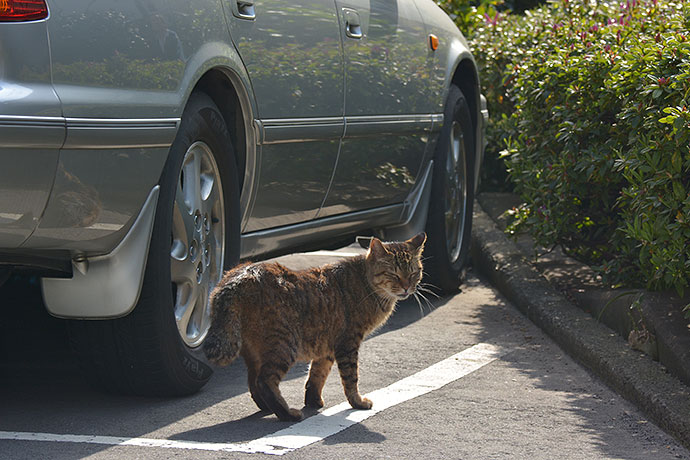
<point x="273" y="316"/>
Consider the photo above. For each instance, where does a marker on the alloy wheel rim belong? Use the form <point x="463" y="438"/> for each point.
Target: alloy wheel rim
<point x="455" y="192"/>
<point x="198" y="242"/>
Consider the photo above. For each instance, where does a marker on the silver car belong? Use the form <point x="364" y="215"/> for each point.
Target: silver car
<point x="148" y="145"/>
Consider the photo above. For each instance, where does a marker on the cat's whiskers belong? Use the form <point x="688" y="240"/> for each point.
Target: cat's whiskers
<point x="418" y="293"/>
<point x="419" y="303"/>
<point x="427" y="288"/>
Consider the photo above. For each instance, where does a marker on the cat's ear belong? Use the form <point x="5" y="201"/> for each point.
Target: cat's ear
<point x="417" y="241"/>
<point x="376" y="248"/>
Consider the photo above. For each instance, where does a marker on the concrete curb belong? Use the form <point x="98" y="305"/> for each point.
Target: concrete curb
<point x="634" y="375"/>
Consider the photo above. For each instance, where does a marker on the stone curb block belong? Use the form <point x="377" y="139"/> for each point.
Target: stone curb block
<point x="635" y="376"/>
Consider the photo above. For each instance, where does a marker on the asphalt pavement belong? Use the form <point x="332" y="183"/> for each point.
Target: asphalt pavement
<point x="463" y="377"/>
<point x="567" y="301"/>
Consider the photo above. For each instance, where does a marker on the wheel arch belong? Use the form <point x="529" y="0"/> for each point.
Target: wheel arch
<point x="466" y="77"/>
<point x="229" y="91"/>
<point x="216" y="84"/>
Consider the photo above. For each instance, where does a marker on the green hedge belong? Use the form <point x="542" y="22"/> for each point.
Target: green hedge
<point x="589" y="103"/>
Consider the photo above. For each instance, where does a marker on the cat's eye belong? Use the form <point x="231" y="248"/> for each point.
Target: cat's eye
<point x="394" y="277"/>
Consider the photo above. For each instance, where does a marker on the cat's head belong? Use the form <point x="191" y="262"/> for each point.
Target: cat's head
<point x="395" y="269"/>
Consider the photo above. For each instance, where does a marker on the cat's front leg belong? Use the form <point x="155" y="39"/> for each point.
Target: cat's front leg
<point x="318" y="372"/>
<point x="347" y="358"/>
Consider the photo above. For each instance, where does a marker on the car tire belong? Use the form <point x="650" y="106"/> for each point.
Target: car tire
<point x="156" y="349"/>
<point x="449" y="222"/>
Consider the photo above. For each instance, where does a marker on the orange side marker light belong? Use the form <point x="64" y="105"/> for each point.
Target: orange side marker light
<point x="433" y="42"/>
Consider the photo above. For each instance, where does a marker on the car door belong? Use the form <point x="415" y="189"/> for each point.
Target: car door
<point x="386" y="79"/>
<point x="291" y="50"/>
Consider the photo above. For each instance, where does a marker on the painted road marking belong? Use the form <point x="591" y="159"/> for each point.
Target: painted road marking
<point x="332" y="253"/>
<point x="318" y="427"/>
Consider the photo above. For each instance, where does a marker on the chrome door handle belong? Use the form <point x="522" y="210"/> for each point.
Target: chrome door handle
<point x="244" y="9"/>
<point x="353" y="26"/>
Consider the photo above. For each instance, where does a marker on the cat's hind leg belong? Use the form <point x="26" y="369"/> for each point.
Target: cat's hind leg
<point x="318" y="372"/>
<point x="279" y="354"/>
<point x="253" y="366"/>
<point x="267" y="384"/>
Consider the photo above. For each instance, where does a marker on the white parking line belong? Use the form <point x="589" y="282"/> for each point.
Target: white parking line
<point x="315" y="428"/>
<point x="332" y="253"/>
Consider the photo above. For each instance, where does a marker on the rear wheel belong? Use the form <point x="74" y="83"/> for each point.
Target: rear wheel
<point x="155" y="350"/>
<point x="449" y="223"/>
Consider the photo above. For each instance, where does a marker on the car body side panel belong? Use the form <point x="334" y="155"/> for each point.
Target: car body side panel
<point x="131" y="56"/>
<point x="115" y="142"/>
<point x="293" y="183"/>
<point x="108" y="166"/>
<point x="386" y="70"/>
<point x="25" y="72"/>
<point x="453" y="50"/>
<point x="31" y="129"/>
<point x="292" y="53"/>
<point x="96" y="196"/>
<point x="443" y="61"/>
<point x="386" y="124"/>
<point x="25" y="183"/>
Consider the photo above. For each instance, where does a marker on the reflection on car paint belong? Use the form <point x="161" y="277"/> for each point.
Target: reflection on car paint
<point x="293" y="56"/>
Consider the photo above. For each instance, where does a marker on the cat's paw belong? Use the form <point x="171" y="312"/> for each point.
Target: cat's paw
<point x="290" y="415"/>
<point x="295" y="415"/>
<point x="362" y="403"/>
<point x="313" y="399"/>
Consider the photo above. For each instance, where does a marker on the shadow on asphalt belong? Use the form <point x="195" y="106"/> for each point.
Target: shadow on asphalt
<point x="42" y="388"/>
<point x="356" y="434"/>
<point x="261" y="423"/>
<point x="548" y="368"/>
<point x="34" y="347"/>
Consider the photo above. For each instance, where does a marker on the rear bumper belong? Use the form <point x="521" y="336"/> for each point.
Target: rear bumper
<point x="56" y="264"/>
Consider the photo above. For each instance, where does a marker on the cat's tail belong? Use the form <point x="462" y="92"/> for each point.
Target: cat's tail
<point x="224" y="340"/>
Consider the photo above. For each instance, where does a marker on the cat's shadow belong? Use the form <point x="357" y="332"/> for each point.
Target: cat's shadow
<point x="356" y="434"/>
<point x="254" y="426"/>
<point x="262" y="423"/>
<point x="245" y="429"/>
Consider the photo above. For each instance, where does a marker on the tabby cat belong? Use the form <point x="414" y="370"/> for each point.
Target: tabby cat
<point x="274" y="316"/>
